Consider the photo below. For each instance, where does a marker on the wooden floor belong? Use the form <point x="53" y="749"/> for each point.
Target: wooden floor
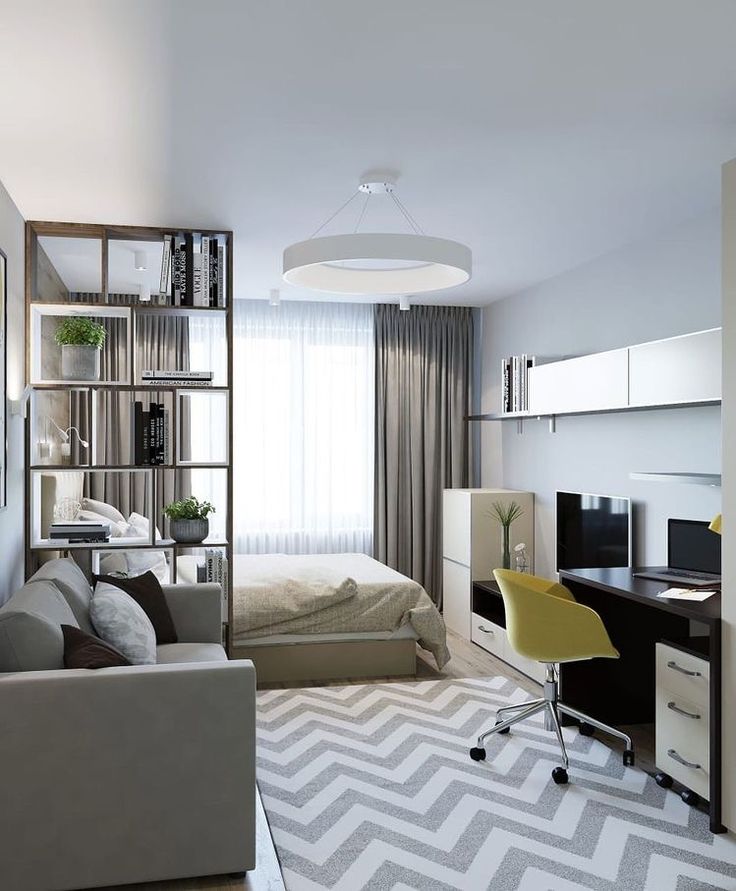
<point x="468" y="661"/>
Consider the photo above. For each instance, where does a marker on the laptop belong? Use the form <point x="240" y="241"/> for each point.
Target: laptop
<point x="693" y="556"/>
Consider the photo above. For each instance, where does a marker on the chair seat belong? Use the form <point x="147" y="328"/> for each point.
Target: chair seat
<point x="168" y="654"/>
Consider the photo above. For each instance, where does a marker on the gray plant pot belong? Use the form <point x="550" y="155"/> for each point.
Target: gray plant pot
<point x="80" y="362"/>
<point x="189" y="531"/>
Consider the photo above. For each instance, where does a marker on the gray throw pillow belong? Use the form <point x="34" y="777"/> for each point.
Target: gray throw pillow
<point x="121" y="622"/>
<point x="29" y="642"/>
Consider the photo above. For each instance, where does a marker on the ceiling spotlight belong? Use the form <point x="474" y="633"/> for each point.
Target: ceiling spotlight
<point x="274" y="297"/>
<point x="145" y="292"/>
<point x="140" y="260"/>
<point x="377" y="264"/>
<point x="404" y="303"/>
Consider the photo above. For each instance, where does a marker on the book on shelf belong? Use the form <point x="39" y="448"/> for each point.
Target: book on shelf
<point x="183" y="383"/>
<point x="178" y="374"/>
<point x="194" y="269"/>
<point x="515" y="383"/>
<point x="150" y="434"/>
<point x="166" y="263"/>
<point x="216" y="570"/>
<point x="79" y="531"/>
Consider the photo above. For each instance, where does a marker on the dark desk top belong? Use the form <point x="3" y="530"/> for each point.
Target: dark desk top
<point x="620" y="582"/>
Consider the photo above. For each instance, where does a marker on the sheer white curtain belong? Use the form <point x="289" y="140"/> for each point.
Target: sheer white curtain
<point x="304" y="427"/>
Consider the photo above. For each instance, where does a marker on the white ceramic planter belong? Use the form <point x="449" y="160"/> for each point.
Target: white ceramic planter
<point x="80" y="362"/>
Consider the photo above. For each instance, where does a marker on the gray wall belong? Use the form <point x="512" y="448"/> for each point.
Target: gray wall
<point x="655" y="289"/>
<point x="11" y="519"/>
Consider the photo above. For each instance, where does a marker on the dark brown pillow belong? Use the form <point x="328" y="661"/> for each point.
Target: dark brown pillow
<point x="82" y="650"/>
<point x="147" y="592"/>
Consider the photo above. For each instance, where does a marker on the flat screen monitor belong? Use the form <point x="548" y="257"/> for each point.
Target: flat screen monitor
<point x="592" y="531"/>
<point x="692" y="546"/>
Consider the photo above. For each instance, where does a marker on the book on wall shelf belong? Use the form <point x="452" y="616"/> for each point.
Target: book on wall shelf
<point x="196" y="267"/>
<point x="515" y="383"/>
<point x="161" y="378"/>
<point x="150" y="434"/>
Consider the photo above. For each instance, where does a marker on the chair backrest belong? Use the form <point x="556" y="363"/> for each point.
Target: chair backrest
<point x="545" y="623"/>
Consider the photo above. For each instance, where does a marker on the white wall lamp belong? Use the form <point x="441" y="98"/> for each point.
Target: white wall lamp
<point x="140" y="261"/>
<point x="404" y="303"/>
<point x="19" y="406"/>
<point x="44" y="446"/>
<point x="377" y="264"/>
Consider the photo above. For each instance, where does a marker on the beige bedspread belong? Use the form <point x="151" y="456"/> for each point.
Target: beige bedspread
<point x="328" y="593"/>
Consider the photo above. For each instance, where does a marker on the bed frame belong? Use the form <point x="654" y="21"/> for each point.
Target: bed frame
<point x="330" y="660"/>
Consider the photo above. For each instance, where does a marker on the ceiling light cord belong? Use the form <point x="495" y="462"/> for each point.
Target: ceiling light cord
<point x="362" y="212"/>
<point x="407" y="216"/>
<point x="338" y="211"/>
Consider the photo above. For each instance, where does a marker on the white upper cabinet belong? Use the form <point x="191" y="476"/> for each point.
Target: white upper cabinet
<point x="679" y="369"/>
<point x="588" y="383"/>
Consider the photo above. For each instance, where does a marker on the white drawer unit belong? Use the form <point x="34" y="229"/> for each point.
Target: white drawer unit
<point x="682" y="730"/>
<point x="493" y="638"/>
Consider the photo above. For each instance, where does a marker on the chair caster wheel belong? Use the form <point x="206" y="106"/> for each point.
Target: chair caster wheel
<point x="586" y="729"/>
<point x="690" y="797"/>
<point x="559" y="775"/>
<point x="478" y="754"/>
<point x="664" y="780"/>
<point x="505" y="730"/>
<point x="628" y="758"/>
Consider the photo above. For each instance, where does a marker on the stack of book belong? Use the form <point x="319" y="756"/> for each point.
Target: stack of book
<point x="194" y="269"/>
<point x="79" y="531"/>
<point x="150" y="434"/>
<point x="215" y="569"/>
<point x="515" y="383"/>
<point x="160" y="378"/>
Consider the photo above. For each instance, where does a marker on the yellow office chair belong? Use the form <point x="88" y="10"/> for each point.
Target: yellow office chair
<point x="544" y="622"/>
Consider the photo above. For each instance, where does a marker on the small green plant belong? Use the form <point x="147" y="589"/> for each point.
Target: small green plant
<point x="80" y="331"/>
<point x="189" y="509"/>
<point x="506" y="513"/>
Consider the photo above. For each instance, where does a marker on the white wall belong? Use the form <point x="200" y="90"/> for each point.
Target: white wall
<point x="728" y="602"/>
<point x="11" y="519"/>
<point x="660" y="288"/>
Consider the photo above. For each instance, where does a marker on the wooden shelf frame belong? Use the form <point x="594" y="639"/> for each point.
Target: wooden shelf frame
<point x="105" y="234"/>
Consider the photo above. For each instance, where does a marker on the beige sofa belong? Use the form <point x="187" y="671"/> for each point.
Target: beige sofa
<point x="121" y="775"/>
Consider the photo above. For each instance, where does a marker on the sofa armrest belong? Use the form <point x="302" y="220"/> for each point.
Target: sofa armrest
<point x="196" y="611"/>
<point x="128" y="774"/>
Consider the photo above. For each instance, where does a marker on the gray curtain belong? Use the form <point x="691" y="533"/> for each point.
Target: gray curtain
<point x="423" y="393"/>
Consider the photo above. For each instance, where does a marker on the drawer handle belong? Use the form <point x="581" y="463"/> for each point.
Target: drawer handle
<point x="680" y="760"/>
<point x="691" y="674"/>
<point x="485" y="630"/>
<point x="681" y="711"/>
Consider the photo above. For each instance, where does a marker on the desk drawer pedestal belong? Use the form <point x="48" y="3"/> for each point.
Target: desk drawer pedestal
<point x="493" y="638"/>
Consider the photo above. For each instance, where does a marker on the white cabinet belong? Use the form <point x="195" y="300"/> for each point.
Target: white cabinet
<point x="586" y="383"/>
<point x="456" y="583"/>
<point x="680" y="369"/>
<point x="682" y="728"/>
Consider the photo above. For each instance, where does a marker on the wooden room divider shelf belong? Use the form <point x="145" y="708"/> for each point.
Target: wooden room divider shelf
<point x="83" y="269"/>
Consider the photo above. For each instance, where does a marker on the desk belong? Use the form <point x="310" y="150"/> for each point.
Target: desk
<point x="622" y="691"/>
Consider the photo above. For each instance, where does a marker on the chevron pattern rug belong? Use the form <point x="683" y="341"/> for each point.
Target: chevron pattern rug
<point x="371" y="787"/>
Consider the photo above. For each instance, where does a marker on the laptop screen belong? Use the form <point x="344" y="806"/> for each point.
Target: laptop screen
<point x="691" y="545"/>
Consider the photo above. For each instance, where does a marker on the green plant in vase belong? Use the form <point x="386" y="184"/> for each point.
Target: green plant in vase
<point x="81" y="339"/>
<point x="188" y="519"/>
<point x="506" y="513"/>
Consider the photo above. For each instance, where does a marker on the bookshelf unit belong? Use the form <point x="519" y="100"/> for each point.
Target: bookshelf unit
<point x="113" y="275"/>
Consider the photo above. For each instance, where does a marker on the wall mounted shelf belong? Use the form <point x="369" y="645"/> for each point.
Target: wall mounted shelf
<point x="694" y="479"/>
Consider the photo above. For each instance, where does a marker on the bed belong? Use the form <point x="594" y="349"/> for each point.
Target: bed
<point x="321" y="616"/>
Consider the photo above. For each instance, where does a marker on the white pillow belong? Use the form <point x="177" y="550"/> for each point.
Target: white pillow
<point x="121" y="622"/>
<point x="117" y="530"/>
<point x="142" y="561"/>
<point x="140" y="526"/>
<point x="103" y="509"/>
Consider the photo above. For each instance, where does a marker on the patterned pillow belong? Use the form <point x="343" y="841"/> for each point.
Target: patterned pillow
<point x="121" y="622"/>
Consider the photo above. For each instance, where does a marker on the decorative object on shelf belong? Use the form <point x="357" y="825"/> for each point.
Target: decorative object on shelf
<point x="716" y="524"/>
<point x="81" y="340"/>
<point x="521" y="559"/>
<point x="506" y="513"/>
<point x="188" y="520"/>
<point x="515" y="383"/>
<point x="44" y="445"/>
<point x="376" y="263"/>
<point x="66" y="510"/>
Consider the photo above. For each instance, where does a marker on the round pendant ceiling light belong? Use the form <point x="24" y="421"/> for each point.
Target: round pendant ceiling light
<point x="377" y="264"/>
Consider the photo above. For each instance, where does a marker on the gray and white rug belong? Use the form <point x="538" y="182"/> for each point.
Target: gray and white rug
<point x="371" y="787"/>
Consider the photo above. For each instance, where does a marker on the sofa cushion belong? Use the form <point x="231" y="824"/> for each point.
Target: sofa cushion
<point x="82" y="650"/>
<point x="146" y="591"/>
<point x="29" y="642"/>
<point x="190" y="652"/>
<point x="121" y="622"/>
<point x="73" y="584"/>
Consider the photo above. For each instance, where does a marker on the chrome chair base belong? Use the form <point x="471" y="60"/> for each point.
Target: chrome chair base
<point x="552" y="708"/>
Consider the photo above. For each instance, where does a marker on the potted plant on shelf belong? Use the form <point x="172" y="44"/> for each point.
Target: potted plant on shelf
<point x="81" y="340"/>
<point x="505" y="514"/>
<point x="188" y="521"/>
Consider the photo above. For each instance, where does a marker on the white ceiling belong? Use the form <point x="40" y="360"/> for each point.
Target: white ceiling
<point x="540" y="133"/>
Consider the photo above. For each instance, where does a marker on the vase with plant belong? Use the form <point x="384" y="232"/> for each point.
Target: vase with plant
<point x="188" y="521"/>
<point x="81" y="339"/>
<point x="505" y="514"/>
